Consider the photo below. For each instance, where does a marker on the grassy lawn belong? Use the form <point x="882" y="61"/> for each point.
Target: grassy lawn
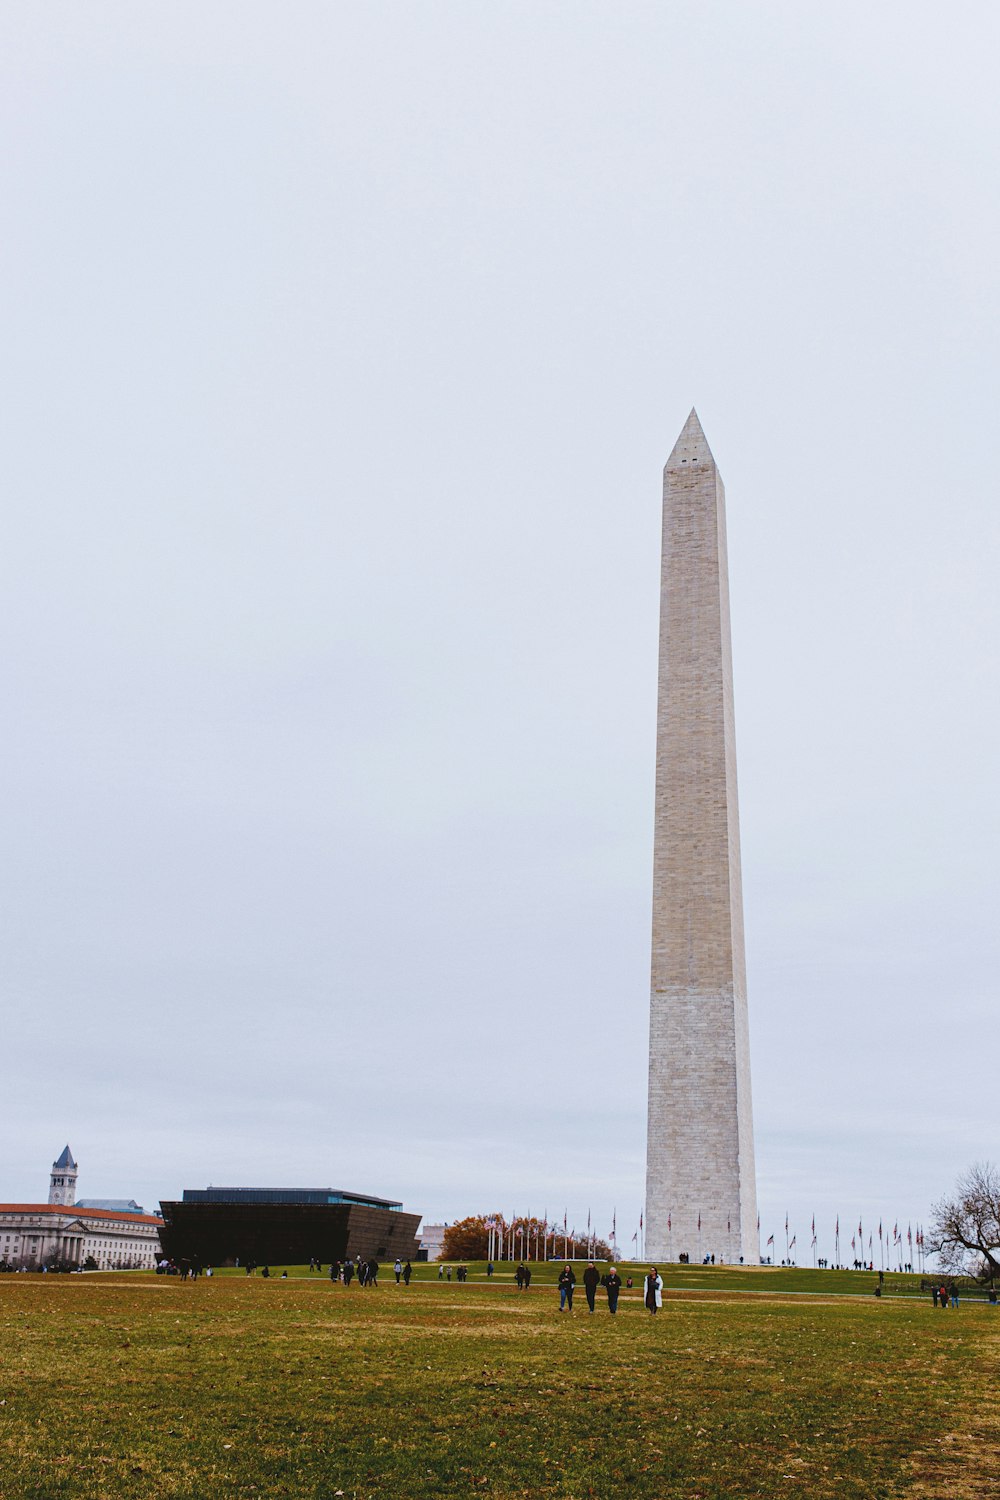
<point x="145" y="1386"/>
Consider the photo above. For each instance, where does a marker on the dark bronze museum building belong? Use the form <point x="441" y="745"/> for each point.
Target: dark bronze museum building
<point x="219" y="1226"/>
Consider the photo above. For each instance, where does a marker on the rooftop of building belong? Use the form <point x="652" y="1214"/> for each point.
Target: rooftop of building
<point x="66" y="1159"/>
<point x="112" y="1205"/>
<point x="321" y="1196"/>
<point x="75" y="1210"/>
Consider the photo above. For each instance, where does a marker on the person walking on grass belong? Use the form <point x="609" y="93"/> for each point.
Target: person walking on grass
<point x="591" y="1281"/>
<point x="612" y="1284"/>
<point x="398" y="1269"/>
<point x="527" y="1277"/>
<point x="654" y="1290"/>
<point x="567" y="1281"/>
<point x="348" y="1271"/>
<point x="407" y="1273"/>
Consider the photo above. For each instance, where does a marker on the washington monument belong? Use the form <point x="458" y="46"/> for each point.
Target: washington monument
<point x="701" y="1194"/>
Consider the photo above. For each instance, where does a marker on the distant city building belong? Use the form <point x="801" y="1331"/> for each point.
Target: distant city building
<point x="103" y="1234"/>
<point x="219" y="1226"/>
<point x="432" y="1241"/>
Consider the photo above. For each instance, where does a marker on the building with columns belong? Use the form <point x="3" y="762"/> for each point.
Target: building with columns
<point x="98" y="1234"/>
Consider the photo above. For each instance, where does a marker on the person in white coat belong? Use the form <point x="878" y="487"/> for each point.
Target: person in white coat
<point x="654" y="1290"/>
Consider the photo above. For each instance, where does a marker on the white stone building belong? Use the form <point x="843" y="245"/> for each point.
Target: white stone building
<point x="111" y="1234"/>
<point x="432" y="1240"/>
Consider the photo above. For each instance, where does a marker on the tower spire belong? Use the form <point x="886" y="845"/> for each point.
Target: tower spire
<point x="691" y="446"/>
<point x="700" y="1179"/>
<point x="62" y="1180"/>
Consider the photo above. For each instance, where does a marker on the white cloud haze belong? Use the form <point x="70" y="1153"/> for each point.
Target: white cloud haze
<point x="342" y="350"/>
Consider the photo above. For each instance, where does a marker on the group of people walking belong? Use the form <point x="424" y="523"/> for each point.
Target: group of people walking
<point x="365" y="1270"/>
<point x="612" y="1284"/>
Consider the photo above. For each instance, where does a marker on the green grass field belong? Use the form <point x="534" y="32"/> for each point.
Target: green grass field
<point x="135" y="1385"/>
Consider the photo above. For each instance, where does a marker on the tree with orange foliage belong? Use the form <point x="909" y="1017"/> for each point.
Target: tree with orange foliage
<point x="468" y="1239"/>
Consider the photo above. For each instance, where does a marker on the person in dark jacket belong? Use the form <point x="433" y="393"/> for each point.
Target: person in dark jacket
<point x="348" y="1272"/>
<point x="567" y="1281"/>
<point x="612" y="1284"/>
<point x="407" y="1273"/>
<point x="527" y="1277"/>
<point x="653" y="1292"/>
<point x="519" y="1277"/>
<point x="591" y="1281"/>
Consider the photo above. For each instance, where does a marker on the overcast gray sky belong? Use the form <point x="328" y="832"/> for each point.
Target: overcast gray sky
<point x="342" y="349"/>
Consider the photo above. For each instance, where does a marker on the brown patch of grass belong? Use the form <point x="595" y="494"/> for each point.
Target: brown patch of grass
<point x="243" y="1388"/>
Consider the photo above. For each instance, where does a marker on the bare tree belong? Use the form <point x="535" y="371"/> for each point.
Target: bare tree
<point x="965" y="1230"/>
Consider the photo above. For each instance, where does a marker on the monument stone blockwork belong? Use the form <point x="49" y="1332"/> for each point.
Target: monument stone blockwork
<point x="701" y="1196"/>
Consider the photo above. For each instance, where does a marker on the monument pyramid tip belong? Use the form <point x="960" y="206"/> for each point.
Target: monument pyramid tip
<point x="692" y="445"/>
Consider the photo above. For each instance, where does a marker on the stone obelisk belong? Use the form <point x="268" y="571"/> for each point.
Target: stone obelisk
<point x="701" y="1196"/>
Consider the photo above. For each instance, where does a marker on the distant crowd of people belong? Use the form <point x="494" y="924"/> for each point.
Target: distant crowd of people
<point x="461" y="1273"/>
<point x="187" y="1270"/>
<point x="366" y="1271"/>
<point x="943" y="1294"/>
